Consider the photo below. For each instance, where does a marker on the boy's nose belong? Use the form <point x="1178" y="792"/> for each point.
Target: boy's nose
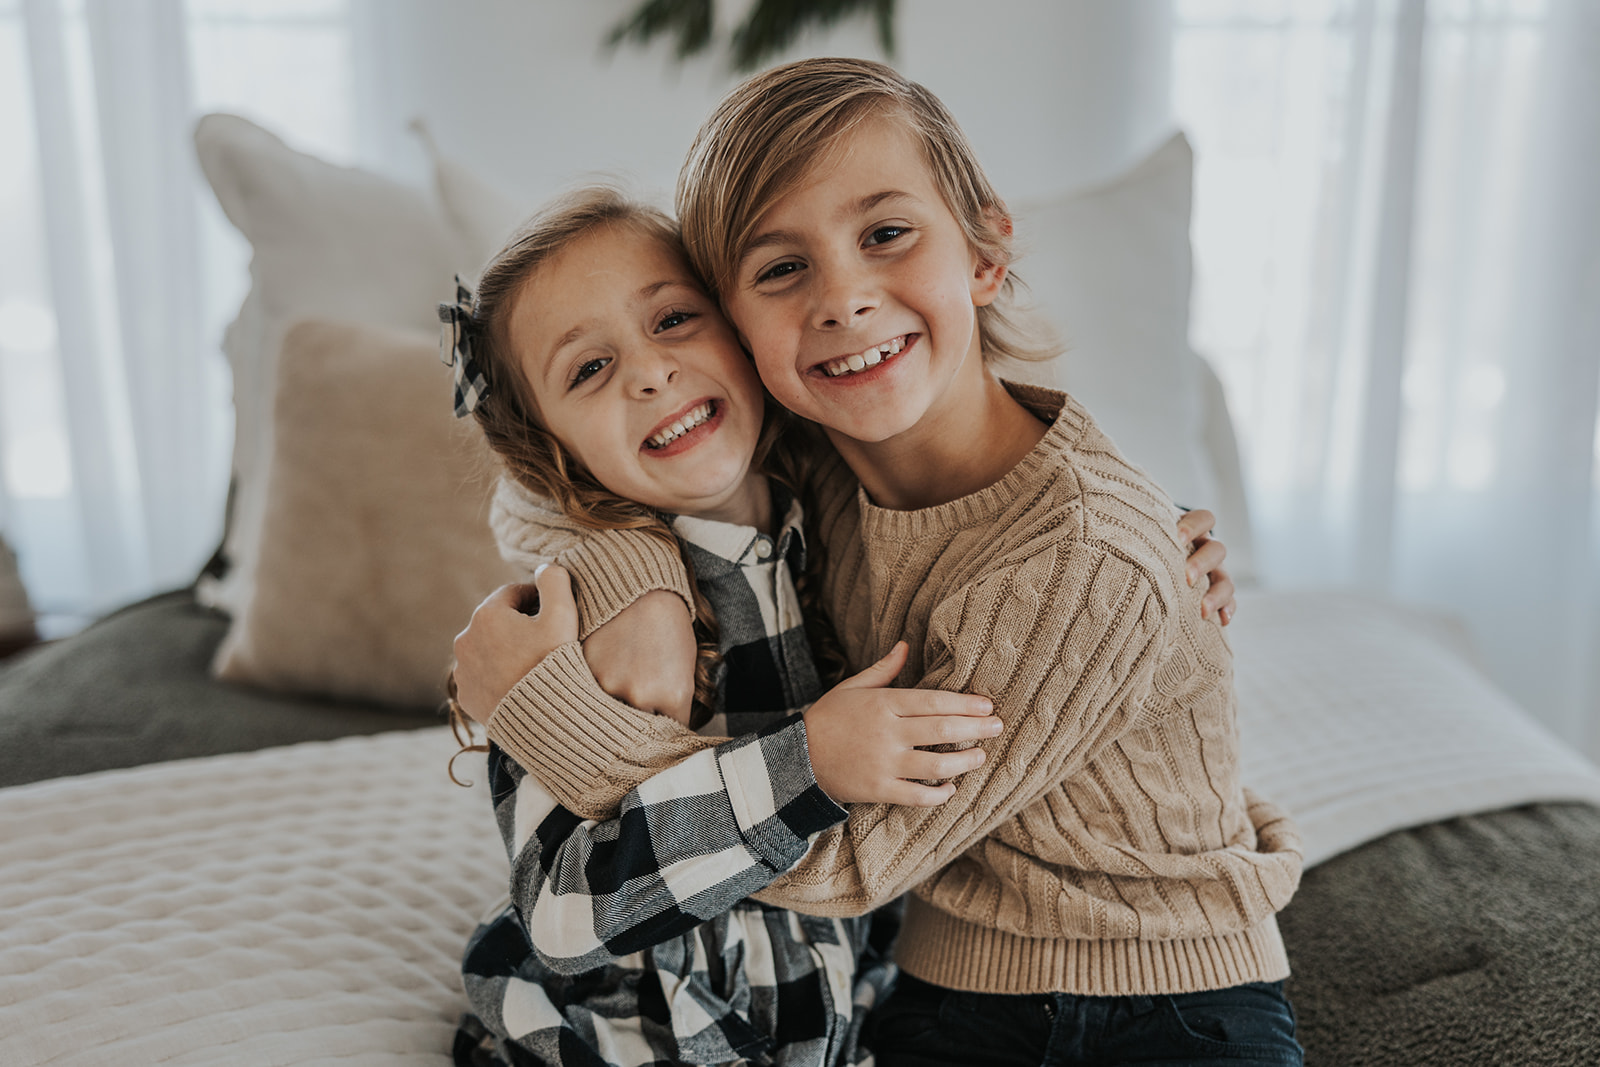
<point x="845" y="298"/>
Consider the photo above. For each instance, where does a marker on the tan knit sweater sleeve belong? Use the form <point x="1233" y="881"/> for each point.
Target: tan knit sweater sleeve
<point x="611" y="568"/>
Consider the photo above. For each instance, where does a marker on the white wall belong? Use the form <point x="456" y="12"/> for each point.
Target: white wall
<point x="1053" y="94"/>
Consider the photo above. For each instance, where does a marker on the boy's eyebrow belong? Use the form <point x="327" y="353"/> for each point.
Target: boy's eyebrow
<point x="861" y="206"/>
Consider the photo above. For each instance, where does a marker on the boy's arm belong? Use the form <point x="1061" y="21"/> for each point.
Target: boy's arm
<point x="613" y="568"/>
<point x="1088" y="648"/>
<point x="687" y="845"/>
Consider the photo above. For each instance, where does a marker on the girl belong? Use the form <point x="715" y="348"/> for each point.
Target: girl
<point x="605" y="377"/>
<point x="1104" y="888"/>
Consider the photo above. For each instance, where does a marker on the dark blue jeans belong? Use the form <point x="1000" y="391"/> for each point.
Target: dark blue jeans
<point x="923" y="1025"/>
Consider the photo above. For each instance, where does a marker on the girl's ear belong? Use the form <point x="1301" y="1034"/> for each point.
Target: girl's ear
<point x="988" y="277"/>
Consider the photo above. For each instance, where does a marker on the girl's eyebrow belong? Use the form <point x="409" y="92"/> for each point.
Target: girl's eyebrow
<point x="860" y="206"/>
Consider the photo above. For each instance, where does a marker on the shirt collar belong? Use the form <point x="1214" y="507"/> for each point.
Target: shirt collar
<point x="742" y="545"/>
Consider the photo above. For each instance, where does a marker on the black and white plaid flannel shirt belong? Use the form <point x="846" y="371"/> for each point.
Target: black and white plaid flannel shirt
<point x="630" y="941"/>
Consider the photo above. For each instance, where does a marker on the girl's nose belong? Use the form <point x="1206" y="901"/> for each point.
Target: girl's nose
<point x="650" y="371"/>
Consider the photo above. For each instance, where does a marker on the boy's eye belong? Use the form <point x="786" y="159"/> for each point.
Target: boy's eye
<point x="673" y="319"/>
<point x="885" y="234"/>
<point x="778" y="270"/>
<point x="587" y="370"/>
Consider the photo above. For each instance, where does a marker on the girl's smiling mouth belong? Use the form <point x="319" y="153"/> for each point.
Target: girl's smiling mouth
<point x="874" y="356"/>
<point x="678" y="433"/>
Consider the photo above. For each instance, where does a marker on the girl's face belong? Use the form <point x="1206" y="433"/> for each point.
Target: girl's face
<point x="858" y="293"/>
<point x="635" y="371"/>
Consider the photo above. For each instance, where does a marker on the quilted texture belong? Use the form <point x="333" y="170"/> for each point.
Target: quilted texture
<point x="1363" y="717"/>
<point x="300" y="905"/>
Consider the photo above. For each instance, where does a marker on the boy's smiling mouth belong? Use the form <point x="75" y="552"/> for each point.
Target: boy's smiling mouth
<point x="693" y="417"/>
<point x="857" y="362"/>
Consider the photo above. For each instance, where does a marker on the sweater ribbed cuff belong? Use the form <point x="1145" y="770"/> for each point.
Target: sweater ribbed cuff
<point x="566" y="731"/>
<point x="614" y="569"/>
<point x="937" y="947"/>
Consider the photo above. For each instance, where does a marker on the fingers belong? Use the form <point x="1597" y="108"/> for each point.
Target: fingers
<point x="921" y="703"/>
<point x="947" y="730"/>
<point x="1206" y="557"/>
<point x="916" y="795"/>
<point x="881" y="673"/>
<point x="1196" y="524"/>
<point x="1219" y="599"/>
<point x="934" y="766"/>
<point x="556" y="605"/>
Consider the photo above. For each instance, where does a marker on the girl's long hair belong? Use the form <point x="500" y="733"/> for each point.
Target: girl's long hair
<point x="533" y="456"/>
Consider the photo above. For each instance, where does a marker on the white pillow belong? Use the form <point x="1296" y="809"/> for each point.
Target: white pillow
<point x="1110" y="267"/>
<point x="331" y="243"/>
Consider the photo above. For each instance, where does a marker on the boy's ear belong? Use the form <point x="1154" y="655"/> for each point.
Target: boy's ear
<point x="988" y="277"/>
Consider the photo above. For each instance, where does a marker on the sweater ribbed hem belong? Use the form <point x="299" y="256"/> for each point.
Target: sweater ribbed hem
<point x="614" y="570"/>
<point x="937" y="947"/>
<point x="566" y="731"/>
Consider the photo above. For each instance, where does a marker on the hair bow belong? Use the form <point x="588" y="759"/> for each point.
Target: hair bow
<point x="455" y="350"/>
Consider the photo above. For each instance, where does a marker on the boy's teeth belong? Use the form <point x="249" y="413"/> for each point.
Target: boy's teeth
<point x="862" y="360"/>
<point x="681" y="426"/>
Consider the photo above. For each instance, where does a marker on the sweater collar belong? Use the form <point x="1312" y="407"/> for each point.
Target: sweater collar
<point x="1066" y="420"/>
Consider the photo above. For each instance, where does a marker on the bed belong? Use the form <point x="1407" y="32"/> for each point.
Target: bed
<point x="226" y="830"/>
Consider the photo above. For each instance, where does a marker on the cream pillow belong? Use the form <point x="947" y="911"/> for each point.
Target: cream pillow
<point x="375" y="542"/>
<point x="327" y="242"/>
<point x="1110" y="267"/>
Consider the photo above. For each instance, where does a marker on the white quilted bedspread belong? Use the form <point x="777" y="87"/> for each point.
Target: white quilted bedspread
<point x="308" y="904"/>
<point x="300" y="905"/>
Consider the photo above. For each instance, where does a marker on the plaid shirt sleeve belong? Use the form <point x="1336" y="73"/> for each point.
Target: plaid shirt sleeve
<point x="686" y="845"/>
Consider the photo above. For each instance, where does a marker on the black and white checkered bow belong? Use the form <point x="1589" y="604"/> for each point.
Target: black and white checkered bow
<point x="455" y="350"/>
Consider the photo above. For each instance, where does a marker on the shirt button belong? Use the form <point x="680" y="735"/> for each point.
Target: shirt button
<point x="763" y="547"/>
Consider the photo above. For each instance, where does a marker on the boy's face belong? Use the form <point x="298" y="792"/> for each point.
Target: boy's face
<point x="641" y="378"/>
<point x="858" y="293"/>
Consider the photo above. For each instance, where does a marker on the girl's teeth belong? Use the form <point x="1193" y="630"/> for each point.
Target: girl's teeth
<point x="681" y="427"/>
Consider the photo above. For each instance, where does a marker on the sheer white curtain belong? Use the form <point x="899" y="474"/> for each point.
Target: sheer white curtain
<point x="119" y="272"/>
<point x="1397" y="237"/>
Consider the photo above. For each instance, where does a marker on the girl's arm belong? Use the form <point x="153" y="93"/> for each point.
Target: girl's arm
<point x="692" y="841"/>
<point x="687" y="845"/>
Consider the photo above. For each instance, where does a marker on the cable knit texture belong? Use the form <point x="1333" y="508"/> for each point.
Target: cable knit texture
<point x="1106" y="847"/>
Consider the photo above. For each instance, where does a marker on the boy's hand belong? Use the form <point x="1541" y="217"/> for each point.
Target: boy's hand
<point x="1205" y="558"/>
<point x="864" y="737"/>
<point x="505" y="640"/>
<point x="646" y="655"/>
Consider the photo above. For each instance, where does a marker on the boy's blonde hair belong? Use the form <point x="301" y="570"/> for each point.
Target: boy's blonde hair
<point x="765" y="137"/>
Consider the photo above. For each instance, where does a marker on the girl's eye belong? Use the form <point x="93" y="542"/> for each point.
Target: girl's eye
<point x="673" y="319"/>
<point x="884" y="234"/>
<point x="777" y="270"/>
<point x="588" y="370"/>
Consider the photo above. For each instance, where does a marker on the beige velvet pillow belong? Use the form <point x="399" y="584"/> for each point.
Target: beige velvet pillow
<point x="375" y="546"/>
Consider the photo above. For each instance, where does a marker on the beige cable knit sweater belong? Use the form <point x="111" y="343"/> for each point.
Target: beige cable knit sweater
<point x="1107" y="846"/>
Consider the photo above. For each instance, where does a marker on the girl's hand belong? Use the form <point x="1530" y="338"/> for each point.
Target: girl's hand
<point x="1205" y="558"/>
<point x="506" y="639"/>
<point x="864" y="737"/>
